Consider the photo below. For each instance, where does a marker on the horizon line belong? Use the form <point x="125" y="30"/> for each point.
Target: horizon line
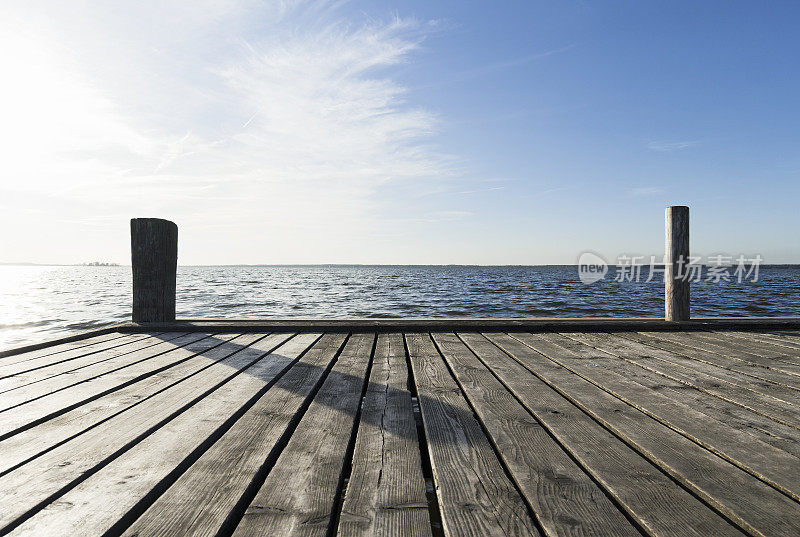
<point x="109" y="265"/>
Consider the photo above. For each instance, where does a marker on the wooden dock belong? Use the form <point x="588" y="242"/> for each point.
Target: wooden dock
<point x="392" y="429"/>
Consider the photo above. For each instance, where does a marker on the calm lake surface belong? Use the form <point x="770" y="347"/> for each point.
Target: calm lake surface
<point x="38" y="303"/>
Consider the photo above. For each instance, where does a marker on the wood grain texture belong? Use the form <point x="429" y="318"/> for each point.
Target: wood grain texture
<point x="154" y="262"/>
<point x="694" y="376"/>
<point x="652" y="432"/>
<point x="202" y="499"/>
<point x="784" y="361"/>
<point x="563" y="497"/>
<point x="50" y="349"/>
<point x="28" y="362"/>
<point x="475" y="496"/>
<point x="611" y="372"/>
<point x="108" y="364"/>
<point x="739" y="353"/>
<point x="650" y="497"/>
<point x="778" y="385"/>
<point x="56" y="345"/>
<point x="676" y="259"/>
<point x="745" y="500"/>
<point x="79" y="421"/>
<point x="20" y="380"/>
<point x="386" y="491"/>
<point x="44" y="408"/>
<point x="298" y="496"/>
<point x="137" y="460"/>
<point x="756" y="374"/>
<point x="780" y="357"/>
<point x="785" y="338"/>
<point x="733" y="416"/>
<point x="78" y="458"/>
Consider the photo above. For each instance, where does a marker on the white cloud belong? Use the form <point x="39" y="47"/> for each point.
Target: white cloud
<point x="450" y="215"/>
<point x="646" y="191"/>
<point x="492" y="68"/>
<point x="671" y="146"/>
<point x="277" y="118"/>
<point x="482" y="190"/>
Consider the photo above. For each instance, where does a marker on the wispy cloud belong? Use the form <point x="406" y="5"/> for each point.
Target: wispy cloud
<point x="287" y="112"/>
<point x="555" y="189"/>
<point x="644" y="191"/>
<point x="513" y="62"/>
<point x="447" y="216"/>
<point x="671" y="146"/>
<point x="495" y="67"/>
<point x="481" y="190"/>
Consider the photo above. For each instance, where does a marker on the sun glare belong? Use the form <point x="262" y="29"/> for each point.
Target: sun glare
<point x="50" y="111"/>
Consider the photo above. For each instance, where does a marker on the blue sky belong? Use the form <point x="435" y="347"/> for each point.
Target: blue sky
<point x="385" y="132"/>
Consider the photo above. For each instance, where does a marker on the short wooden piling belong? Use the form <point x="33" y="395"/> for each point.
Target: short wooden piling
<point x="676" y="260"/>
<point x="154" y="260"/>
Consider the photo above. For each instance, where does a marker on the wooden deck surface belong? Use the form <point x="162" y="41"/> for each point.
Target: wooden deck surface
<point x="404" y="433"/>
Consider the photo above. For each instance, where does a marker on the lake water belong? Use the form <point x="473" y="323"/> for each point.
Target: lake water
<point x="39" y="303"/>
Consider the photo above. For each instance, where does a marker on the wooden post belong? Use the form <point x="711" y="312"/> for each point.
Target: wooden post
<point x="154" y="259"/>
<point x="676" y="291"/>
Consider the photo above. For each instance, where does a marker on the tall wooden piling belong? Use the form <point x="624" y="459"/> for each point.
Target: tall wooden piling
<point x="676" y="260"/>
<point x="154" y="259"/>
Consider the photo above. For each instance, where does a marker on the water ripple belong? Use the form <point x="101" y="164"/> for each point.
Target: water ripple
<point x="45" y="302"/>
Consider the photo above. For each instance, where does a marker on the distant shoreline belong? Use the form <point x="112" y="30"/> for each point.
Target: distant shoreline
<point x="341" y="265"/>
<point x="91" y="264"/>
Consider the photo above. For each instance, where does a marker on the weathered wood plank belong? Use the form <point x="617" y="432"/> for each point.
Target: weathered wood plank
<point x="755" y="343"/>
<point x="694" y="364"/>
<point x="26" y="362"/>
<point x="658" y="504"/>
<point x="202" y="499"/>
<point x="740" y="352"/>
<point x="563" y="497"/>
<point x="610" y="372"/>
<point x="475" y="496"/>
<point x="71" y="496"/>
<point x="137" y="477"/>
<point x="184" y="446"/>
<point x="22" y="379"/>
<point x="135" y="354"/>
<point x="754" y="373"/>
<point x="386" y="491"/>
<point x="64" y="347"/>
<point x="299" y="493"/>
<point x="734" y="416"/>
<point x="779" y="339"/>
<point x="30" y="414"/>
<point x="372" y="325"/>
<point x="788" y="357"/>
<point x="745" y="500"/>
<point x="45" y="436"/>
<point x="765" y="405"/>
<point x="790" y="338"/>
<point x="56" y="345"/>
<point x="779" y="386"/>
